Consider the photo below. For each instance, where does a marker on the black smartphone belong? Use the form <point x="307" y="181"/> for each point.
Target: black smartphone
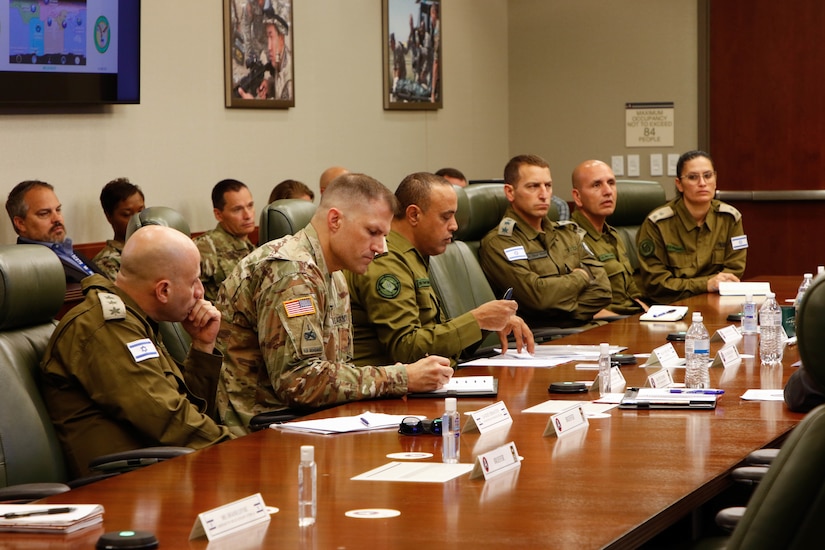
<point x="677" y="336"/>
<point x="623" y="359"/>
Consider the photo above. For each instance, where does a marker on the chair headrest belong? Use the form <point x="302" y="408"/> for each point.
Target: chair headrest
<point x="158" y="215"/>
<point x="635" y="200"/>
<point x="284" y="217"/>
<point x="32" y="285"/>
<point x="487" y="204"/>
<point x="810" y="326"/>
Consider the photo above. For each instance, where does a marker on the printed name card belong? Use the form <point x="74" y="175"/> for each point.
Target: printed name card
<point x="567" y="421"/>
<point x="729" y="335"/>
<point x="665" y="356"/>
<point x="660" y="379"/>
<point x="617" y="381"/>
<point x="496" y="462"/>
<point x="230" y="518"/>
<point x="726" y="357"/>
<point x="489" y="418"/>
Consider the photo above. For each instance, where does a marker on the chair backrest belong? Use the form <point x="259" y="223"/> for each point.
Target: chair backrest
<point x="485" y="204"/>
<point x="32" y="287"/>
<point x="636" y="199"/>
<point x="284" y="217"/>
<point x="787" y="508"/>
<point x="458" y="279"/>
<point x="810" y="326"/>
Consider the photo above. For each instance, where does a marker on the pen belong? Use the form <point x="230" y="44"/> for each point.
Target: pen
<point x="44" y="512"/>
<point x="703" y="392"/>
<point x="668" y="312"/>
<point x="508" y="294"/>
<point x="364" y="421"/>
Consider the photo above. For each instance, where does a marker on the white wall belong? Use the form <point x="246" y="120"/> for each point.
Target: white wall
<point x="181" y="140"/>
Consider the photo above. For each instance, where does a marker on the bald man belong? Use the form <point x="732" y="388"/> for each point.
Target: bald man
<point x="594" y="192"/>
<point x="330" y="174"/>
<point x="109" y="383"/>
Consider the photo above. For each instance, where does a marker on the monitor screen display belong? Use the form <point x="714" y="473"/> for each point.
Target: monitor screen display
<point x="69" y="51"/>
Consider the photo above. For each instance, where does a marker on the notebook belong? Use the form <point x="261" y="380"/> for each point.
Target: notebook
<point x="730" y="288"/>
<point x="665" y="398"/>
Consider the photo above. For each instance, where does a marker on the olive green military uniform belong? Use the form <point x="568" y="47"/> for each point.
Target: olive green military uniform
<point x="677" y="257"/>
<point x="539" y="266"/>
<point x="220" y="253"/>
<point x="108" y="259"/>
<point x="111" y="386"/>
<point x="608" y="247"/>
<point x="286" y="332"/>
<point x="397" y="315"/>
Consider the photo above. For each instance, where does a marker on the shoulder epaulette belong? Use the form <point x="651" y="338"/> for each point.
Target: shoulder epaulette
<point x="568" y="224"/>
<point x="728" y="209"/>
<point x="506" y="226"/>
<point x="661" y="213"/>
<point x="112" y="306"/>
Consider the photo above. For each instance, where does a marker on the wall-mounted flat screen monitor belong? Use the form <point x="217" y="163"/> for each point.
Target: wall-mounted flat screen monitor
<point x="69" y="52"/>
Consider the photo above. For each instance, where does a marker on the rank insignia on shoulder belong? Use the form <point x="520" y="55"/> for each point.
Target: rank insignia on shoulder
<point x="112" y="306"/>
<point x="662" y="213"/>
<point x="506" y="226"/>
<point x="299" y="306"/>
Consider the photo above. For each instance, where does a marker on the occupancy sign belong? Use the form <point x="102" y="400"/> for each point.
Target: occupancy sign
<point x="649" y="124"/>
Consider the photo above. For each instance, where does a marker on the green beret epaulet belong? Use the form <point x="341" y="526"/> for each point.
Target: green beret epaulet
<point x="661" y="213"/>
<point x="506" y="226"/>
<point x="728" y="209"/>
<point x="112" y="306"/>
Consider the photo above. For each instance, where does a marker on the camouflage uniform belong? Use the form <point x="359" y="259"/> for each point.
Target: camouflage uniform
<point x="677" y="257"/>
<point x="104" y="397"/>
<point x="539" y="265"/>
<point x="608" y="247"/>
<point x="397" y="315"/>
<point x="285" y="333"/>
<point x="108" y="259"/>
<point x="220" y="253"/>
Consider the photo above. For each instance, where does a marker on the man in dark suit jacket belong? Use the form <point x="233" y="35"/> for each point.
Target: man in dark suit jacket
<point x="36" y="214"/>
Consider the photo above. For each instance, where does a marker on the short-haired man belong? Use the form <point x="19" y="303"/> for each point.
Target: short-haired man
<point x="396" y="313"/>
<point x="453" y="175"/>
<point x="37" y="217"/>
<point x="109" y="383"/>
<point x="330" y="174"/>
<point x="223" y="247"/>
<point x="595" y="194"/>
<point x="555" y="280"/>
<point x="120" y="199"/>
<point x="286" y="318"/>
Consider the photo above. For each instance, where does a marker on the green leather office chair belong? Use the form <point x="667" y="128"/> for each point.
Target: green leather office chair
<point x="636" y="199"/>
<point x="284" y="217"/>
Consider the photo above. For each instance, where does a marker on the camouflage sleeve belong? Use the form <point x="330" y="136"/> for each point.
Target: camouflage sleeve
<point x="108" y="262"/>
<point x="658" y="281"/>
<point x="306" y="369"/>
<point x="209" y="266"/>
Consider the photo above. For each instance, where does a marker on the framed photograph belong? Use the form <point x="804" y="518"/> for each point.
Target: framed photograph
<point x="258" y="55"/>
<point x="412" y="54"/>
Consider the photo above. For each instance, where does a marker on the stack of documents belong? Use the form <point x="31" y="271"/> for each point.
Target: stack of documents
<point x="364" y="422"/>
<point x="44" y="518"/>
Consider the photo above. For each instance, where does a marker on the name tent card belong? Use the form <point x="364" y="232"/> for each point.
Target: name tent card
<point x="660" y="379"/>
<point x="726" y="357"/>
<point x="665" y="356"/>
<point x="617" y="381"/>
<point x="231" y="518"/>
<point x="496" y="462"/>
<point x="730" y="335"/>
<point x="566" y="422"/>
<point x="489" y="418"/>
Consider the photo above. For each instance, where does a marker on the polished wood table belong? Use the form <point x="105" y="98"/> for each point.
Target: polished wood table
<point x="618" y="484"/>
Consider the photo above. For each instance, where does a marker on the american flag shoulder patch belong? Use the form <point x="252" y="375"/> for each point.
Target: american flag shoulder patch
<point x="299" y="306"/>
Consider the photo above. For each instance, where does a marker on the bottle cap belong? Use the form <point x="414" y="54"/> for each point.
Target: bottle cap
<point x="604" y="348"/>
<point x="808" y="276"/>
<point x="749" y="297"/>
<point x="307" y="453"/>
<point x="450" y="404"/>
<point x="697" y="316"/>
<point x="770" y="294"/>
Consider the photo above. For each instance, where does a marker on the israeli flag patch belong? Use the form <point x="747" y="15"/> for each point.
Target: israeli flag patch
<point x="740" y="242"/>
<point x="142" y="350"/>
<point x="515" y="253"/>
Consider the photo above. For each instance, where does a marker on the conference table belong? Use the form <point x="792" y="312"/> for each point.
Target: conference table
<point x="626" y="478"/>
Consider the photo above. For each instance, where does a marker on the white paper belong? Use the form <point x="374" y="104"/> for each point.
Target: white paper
<point x="545" y="356"/>
<point x="555" y="406"/>
<point x="763" y="395"/>
<point x="664" y="313"/>
<point x="364" y="422"/>
<point x="416" y="472"/>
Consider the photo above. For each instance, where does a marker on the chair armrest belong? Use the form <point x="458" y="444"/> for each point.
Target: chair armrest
<point x="761" y="457"/>
<point x="728" y="518"/>
<point x="26" y="492"/>
<point x="749" y="475"/>
<point x="263" y="420"/>
<point x="137" y="458"/>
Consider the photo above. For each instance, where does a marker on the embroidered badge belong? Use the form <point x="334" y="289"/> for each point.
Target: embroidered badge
<point x="112" y="306"/>
<point x="310" y="343"/>
<point x="422" y="283"/>
<point x="299" y="306"/>
<point x="142" y="350"/>
<point x="515" y="253"/>
<point x="740" y="242"/>
<point x="606" y="256"/>
<point x="388" y="286"/>
<point x="646" y="248"/>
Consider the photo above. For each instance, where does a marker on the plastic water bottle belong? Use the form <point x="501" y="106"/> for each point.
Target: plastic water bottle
<point x="749" y="324"/>
<point x="604" y="368"/>
<point x="771" y="339"/>
<point x="697" y="354"/>
<point x="803" y="287"/>
<point x="450" y="432"/>
<point x="307" y="478"/>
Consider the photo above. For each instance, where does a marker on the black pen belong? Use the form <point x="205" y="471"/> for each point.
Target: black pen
<point x="662" y="314"/>
<point x="508" y="294"/>
<point x="44" y="512"/>
<point x="364" y="421"/>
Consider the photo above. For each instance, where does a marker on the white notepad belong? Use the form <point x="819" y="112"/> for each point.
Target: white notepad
<point x="664" y="313"/>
